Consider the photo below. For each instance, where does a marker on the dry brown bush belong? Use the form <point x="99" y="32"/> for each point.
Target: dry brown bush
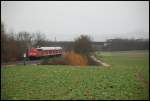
<point x="76" y="59"/>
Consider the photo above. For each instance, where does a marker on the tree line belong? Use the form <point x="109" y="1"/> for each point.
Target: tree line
<point x="14" y="45"/>
<point x="126" y="44"/>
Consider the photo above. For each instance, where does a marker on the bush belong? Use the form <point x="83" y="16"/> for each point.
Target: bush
<point x="75" y="59"/>
<point x="70" y="58"/>
<point x="83" y="45"/>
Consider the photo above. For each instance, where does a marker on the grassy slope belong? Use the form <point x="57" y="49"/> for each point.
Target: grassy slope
<point x="70" y="82"/>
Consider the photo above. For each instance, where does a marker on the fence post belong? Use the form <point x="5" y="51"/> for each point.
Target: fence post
<point x="24" y="59"/>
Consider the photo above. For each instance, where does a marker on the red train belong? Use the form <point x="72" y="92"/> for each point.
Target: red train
<point x="43" y="52"/>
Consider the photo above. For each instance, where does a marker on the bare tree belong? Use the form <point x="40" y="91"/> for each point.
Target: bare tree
<point x="24" y="42"/>
<point x="39" y="39"/>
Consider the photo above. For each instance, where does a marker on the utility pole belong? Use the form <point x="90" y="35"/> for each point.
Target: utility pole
<point x="55" y="39"/>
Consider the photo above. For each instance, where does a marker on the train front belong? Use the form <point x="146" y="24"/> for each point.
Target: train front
<point x="32" y="53"/>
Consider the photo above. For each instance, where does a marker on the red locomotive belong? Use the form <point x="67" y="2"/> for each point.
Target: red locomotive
<point x="43" y="52"/>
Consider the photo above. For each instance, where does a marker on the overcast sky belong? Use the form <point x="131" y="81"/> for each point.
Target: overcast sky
<point x="66" y="20"/>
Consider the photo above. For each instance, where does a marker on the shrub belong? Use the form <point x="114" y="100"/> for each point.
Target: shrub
<point x="75" y="58"/>
<point x="83" y="45"/>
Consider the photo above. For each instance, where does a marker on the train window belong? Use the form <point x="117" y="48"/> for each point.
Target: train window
<point x="39" y="49"/>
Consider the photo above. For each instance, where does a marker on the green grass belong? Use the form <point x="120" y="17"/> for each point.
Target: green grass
<point x="74" y="82"/>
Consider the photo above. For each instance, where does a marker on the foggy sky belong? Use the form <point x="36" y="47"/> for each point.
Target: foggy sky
<point x="66" y="20"/>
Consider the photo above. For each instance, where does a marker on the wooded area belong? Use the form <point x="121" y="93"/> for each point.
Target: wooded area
<point x="13" y="45"/>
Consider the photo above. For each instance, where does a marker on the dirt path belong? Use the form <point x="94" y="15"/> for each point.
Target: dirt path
<point x="100" y="62"/>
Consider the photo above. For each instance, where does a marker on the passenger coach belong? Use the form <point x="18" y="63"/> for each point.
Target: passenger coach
<point x="43" y="52"/>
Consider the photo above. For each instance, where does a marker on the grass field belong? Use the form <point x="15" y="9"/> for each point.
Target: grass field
<point x="128" y="78"/>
